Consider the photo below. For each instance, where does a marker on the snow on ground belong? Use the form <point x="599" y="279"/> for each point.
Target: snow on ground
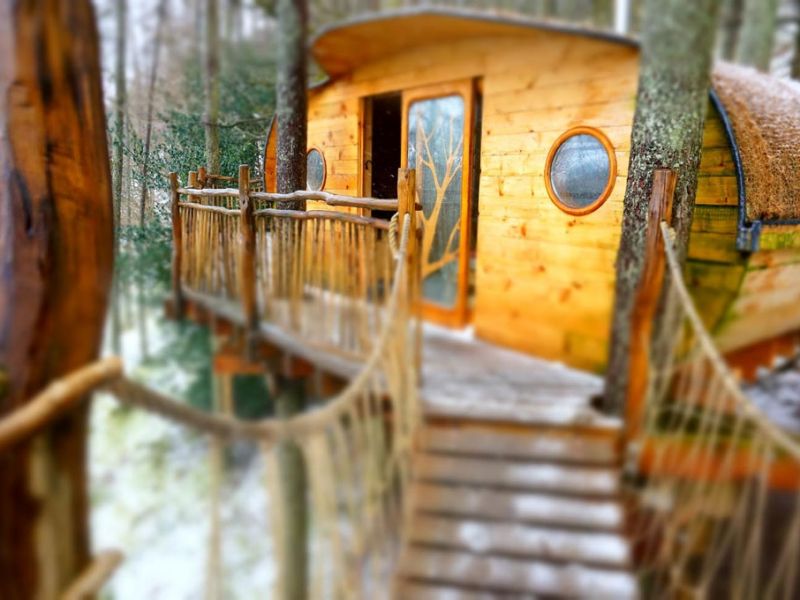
<point x="778" y="395"/>
<point x="150" y="493"/>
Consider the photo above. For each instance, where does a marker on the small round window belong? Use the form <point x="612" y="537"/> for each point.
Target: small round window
<point x="580" y="171"/>
<point x="315" y="170"/>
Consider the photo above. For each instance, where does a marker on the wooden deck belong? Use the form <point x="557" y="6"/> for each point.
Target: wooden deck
<point x="465" y="377"/>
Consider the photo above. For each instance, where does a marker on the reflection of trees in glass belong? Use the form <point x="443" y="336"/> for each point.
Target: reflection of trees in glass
<point x="436" y="137"/>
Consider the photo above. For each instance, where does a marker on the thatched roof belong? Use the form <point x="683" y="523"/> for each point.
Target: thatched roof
<point x="764" y="113"/>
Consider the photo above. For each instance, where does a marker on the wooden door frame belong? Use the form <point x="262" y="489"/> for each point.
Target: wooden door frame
<point x="458" y="316"/>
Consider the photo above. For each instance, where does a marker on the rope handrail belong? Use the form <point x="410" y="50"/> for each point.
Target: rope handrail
<point x="745" y="404"/>
<point x="108" y="374"/>
<point x="715" y="484"/>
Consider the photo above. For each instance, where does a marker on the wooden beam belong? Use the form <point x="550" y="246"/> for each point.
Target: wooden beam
<point x="648" y="294"/>
<point x="56" y="399"/>
<point x="247" y="260"/>
<point x="177" y="246"/>
<point x="94" y="577"/>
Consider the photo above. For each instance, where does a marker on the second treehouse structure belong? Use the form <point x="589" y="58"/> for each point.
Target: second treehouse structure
<point x="520" y="135"/>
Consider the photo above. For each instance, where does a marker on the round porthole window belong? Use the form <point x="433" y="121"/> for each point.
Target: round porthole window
<point x="315" y="170"/>
<point x="580" y="171"/>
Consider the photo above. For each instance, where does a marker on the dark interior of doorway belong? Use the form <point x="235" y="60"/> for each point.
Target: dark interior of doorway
<point x="387" y="115"/>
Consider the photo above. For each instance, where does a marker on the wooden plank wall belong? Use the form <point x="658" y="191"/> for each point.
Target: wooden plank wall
<point x="545" y="279"/>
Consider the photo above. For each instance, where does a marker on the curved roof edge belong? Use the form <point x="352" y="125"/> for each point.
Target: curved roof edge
<point x="491" y="21"/>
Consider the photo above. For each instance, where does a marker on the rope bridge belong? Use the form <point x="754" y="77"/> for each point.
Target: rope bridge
<point x="715" y="507"/>
<point x="356" y="447"/>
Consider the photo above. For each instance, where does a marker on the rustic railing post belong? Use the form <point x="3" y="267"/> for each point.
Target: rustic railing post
<point x="648" y="295"/>
<point x="247" y="259"/>
<point x="177" y="246"/>
<point x="202" y="177"/>
<point x="191" y="182"/>
<point x="406" y="205"/>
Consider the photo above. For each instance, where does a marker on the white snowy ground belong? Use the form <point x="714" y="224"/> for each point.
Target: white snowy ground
<point x="150" y="497"/>
<point x="778" y="395"/>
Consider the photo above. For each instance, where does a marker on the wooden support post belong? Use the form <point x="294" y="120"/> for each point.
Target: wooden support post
<point x="177" y="246"/>
<point x="191" y="182"/>
<point x="648" y="295"/>
<point x="202" y="177"/>
<point x="406" y="205"/>
<point x="247" y="260"/>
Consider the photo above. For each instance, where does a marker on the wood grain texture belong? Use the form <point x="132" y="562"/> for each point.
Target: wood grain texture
<point x="56" y="249"/>
<point x="544" y="279"/>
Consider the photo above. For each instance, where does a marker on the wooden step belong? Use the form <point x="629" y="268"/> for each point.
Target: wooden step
<point x="551" y="413"/>
<point x="518" y="507"/>
<point x="414" y="590"/>
<point x="514" y="539"/>
<point x="513" y="575"/>
<point x="600" y="481"/>
<point x="561" y="445"/>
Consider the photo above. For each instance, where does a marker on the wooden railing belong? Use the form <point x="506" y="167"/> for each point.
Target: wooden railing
<point x="322" y="275"/>
<point x="715" y="484"/>
<point x="357" y="448"/>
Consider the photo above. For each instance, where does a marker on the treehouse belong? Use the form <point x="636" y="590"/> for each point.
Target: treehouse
<point x="520" y="135"/>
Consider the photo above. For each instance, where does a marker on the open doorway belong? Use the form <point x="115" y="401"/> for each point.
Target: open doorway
<point x="383" y="117"/>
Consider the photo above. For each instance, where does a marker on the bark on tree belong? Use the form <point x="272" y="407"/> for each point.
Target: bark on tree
<point x="211" y="113"/>
<point x="291" y="112"/>
<point x="121" y="10"/>
<point x="161" y="15"/>
<point x="796" y="58"/>
<point x="757" y="33"/>
<point x="56" y="260"/>
<point x="291" y="100"/>
<point x="674" y="80"/>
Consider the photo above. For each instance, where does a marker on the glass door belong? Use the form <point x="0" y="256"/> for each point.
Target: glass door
<point x="437" y="142"/>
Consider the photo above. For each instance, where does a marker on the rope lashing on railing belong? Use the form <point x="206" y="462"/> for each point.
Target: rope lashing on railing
<point x="715" y="484"/>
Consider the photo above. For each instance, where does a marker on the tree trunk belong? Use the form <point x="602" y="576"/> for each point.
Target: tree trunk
<point x="730" y="22"/>
<point x="292" y="102"/>
<point x="291" y="113"/>
<point x="56" y="261"/>
<point x="757" y="34"/>
<point x="674" y="80"/>
<point x="211" y="116"/>
<point x="121" y="10"/>
<point x="796" y="58"/>
<point x="161" y="15"/>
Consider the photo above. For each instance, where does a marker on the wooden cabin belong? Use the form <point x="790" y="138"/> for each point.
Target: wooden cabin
<point x="520" y="134"/>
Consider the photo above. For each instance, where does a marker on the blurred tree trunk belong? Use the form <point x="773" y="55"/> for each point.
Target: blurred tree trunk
<point x="796" y="58"/>
<point x="211" y="114"/>
<point x="757" y="33"/>
<point x="730" y="23"/>
<point x="56" y="249"/>
<point x="291" y="96"/>
<point x="161" y="16"/>
<point x="674" y="80"/>
<point x="120" y="78"/>
<point x="291" y="111"/>
<point x="603" y="13"/>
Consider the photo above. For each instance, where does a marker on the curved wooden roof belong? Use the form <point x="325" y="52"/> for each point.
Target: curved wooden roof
<point x="763" y="113"/>
<point x="341" y="47"/>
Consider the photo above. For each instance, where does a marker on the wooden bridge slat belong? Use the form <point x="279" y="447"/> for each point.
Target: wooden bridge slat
<point x="505" y="574"/>
<point x="515" y="539"/>
<point x="411" y="590"/>
<point x="552" y="445"/>
<point x="520" y="507"/>
<point x="520" y="475"/>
